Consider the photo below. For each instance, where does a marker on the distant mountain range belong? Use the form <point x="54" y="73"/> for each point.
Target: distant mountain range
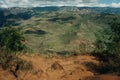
<point x="8" y="15"/>
<point x="109" y="10"/>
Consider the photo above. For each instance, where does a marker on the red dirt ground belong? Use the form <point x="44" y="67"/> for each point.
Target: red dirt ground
<point x="57" y="68"/>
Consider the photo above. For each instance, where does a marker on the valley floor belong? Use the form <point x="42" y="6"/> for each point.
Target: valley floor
<point x="58" y="68"/>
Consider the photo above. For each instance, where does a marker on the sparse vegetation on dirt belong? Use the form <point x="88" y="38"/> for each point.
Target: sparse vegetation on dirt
<point x="13" y="64"/>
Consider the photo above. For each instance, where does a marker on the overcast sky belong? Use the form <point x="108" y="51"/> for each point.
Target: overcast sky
<point x="42" y="3"/>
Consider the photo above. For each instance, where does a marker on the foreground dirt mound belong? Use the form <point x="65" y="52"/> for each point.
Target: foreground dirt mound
<point x="57" y="68"/>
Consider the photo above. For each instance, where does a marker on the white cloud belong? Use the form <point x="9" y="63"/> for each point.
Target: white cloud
<point x="109" y="5"/>
<point x="39" y="3"/>
<point x="115" y="4"/>
<point x="34" y="3"/>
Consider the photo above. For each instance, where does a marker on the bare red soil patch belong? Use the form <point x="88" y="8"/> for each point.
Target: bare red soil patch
<point x="57" y="68"/>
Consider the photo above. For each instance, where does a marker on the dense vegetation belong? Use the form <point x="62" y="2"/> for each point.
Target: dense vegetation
<point x="109" y="51"/>
<point x="11" y="39"/>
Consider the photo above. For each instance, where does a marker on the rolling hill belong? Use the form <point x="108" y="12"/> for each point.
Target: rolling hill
<point x="60" y="29"/>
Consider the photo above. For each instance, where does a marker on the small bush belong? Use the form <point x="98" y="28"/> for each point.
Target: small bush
<point x="11" y="39"/>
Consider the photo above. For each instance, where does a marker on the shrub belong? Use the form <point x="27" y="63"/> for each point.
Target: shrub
<point x="11" y="39"/>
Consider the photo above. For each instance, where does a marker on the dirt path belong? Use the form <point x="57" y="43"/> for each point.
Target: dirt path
<point x="57" y="68"/>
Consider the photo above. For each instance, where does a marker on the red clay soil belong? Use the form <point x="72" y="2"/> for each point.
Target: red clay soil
<point x="57" y="68"/>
